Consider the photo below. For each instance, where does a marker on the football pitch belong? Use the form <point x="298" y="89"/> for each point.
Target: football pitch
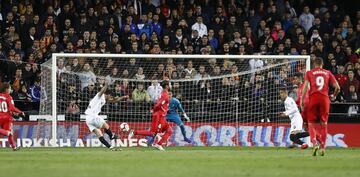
<point x="178" y="161"/>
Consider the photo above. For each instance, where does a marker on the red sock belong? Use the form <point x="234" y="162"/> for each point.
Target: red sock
<point x="4" y="132"/>
<point x="166" y="136"/>
<point x="11" y="141"/>
<point x="323" y="135"/>
<point x="312" y="132"/>
<point x="144" y="133"/>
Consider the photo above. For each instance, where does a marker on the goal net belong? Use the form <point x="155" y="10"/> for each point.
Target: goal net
<point x="231" y="100"/>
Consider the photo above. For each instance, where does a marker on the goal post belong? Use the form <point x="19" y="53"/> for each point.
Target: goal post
<point x="219" y="106"/>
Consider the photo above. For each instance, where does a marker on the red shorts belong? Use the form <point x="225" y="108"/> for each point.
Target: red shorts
<point x="318" y="108"/>
<point x="6" y="124"/>
<point x="158" y="123"/>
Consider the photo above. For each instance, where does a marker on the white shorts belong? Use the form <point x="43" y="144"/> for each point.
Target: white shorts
<point x="94" y="122"/>
<point x="296" y="124"/>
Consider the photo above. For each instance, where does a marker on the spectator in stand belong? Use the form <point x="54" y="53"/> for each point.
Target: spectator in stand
<point x="201" y="74"/>
<point x="28" y="74"/>
<point x="134" y="49"/>
<point x="89" y="91"/>
<point x="35" y="93"/>
<point x="139" y="94"/>
<point x="17" y="81"/>
<point x="341" y="77"/>
<point x="23" y="99"/>
<point x="352" y="97"/>
<point x="306" y="19"/>
<point x="125" y="88"/>
<point x="301" y="43"/>
<point x="102" y="47"/>
<point x="316" y="26"/>
<point x="351" y="57"/>
<point x="199" y="26"/>
<point x="86" y="76"/>
<point x="333" y="67"/>
<point x="119" y="94"/>
<point x="160" y="72"/>
<point x="18" y="48"/>
<point x="113" y="75"/>
<point x="351" y="80"/>
<point x="47" y="39"/>
<point x="125" y="74"/>
<point x="73" y="107"/>
<point x="272" y="16"/>
<point x="190" y="70"/>
<point x="165" y="44"/>
<point x="168" y="28"/>
<point x="140" y="74"/>
<point x="118" y="90"/>
<point x="76" y="67"/>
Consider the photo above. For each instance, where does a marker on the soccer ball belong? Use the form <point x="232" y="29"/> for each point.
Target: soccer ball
<point x="124" y="127"/>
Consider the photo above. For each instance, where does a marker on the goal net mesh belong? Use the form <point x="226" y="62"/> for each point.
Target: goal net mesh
<point x="214" y="92"/>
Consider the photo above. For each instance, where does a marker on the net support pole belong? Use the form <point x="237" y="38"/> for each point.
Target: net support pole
<point x="53" y="98"/>
<point x="237" y="121"/>
<point x="308" y="63"/>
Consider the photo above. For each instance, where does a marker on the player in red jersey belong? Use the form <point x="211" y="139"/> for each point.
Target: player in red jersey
<point x="319" y="104"/>
<point x="158" y="123"/>
<point x="7" y="109"/>
<point x="306" y="101"/>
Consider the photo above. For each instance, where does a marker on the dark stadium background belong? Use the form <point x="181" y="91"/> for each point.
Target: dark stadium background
<point x="27" y="80"/>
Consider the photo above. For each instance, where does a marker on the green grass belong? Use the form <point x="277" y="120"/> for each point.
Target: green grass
<point x="179" y="161"/>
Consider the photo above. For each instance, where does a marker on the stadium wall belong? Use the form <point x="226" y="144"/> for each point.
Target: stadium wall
<point x="75" y="134"/>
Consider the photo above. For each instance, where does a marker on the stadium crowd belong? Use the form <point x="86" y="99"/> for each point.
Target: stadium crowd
<point x="31" y="30"/>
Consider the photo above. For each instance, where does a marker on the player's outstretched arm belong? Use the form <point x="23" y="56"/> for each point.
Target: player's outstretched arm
<point x="103" y="89"/>
<point x="180" y="107"/>
<point x="186" y="117"/>
<point x="118" y="99"/>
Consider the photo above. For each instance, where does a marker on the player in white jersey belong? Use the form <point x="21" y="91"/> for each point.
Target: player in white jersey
<point x="292" y="111"/>
<point x="94" y="121"/>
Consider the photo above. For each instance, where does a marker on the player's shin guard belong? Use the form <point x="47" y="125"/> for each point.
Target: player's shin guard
<point x="104" y="142"/>
<point x="166" y="136"/>
<point x="323" y="135"/>
<point x="11" y="141"/>
<point x="312" y="132"/>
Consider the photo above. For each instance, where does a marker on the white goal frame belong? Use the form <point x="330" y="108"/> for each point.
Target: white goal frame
<point x="55" y="56"/>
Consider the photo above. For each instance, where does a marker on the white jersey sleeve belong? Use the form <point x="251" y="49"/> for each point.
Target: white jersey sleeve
<point x="291" y="108"/>
<point x="95" y="105"/>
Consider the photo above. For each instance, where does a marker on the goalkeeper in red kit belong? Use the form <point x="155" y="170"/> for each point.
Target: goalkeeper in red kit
<point x="7" y="109"/>
<point x="158" y="123"/>
<point x="317" y="111"/>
